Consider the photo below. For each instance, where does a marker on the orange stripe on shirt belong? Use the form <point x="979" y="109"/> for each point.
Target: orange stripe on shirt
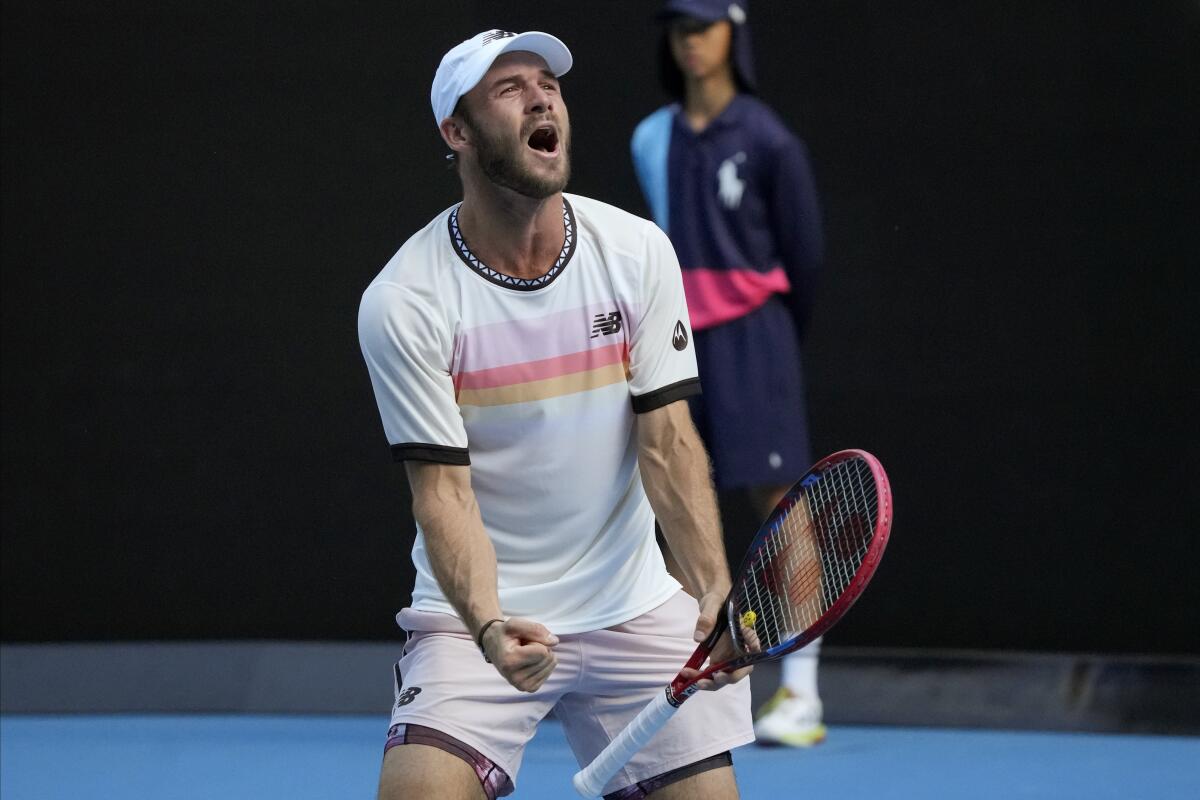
<point x="542" y="369"/>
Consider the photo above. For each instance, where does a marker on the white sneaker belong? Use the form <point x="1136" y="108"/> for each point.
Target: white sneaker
<point x="790" y="719"/>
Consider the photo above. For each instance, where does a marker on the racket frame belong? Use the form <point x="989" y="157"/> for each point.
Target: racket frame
<point x="590" y="780"/>
<point x="680" y="689"/>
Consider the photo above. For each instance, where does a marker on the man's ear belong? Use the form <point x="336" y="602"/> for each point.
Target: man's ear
<point x="455" y="133"/>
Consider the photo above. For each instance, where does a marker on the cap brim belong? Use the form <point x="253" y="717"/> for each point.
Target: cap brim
<point x="674" y="13"/>
<point x="550" y="48"/>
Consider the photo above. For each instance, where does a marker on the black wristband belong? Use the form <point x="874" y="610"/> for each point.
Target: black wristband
<point x="479" y="637"/>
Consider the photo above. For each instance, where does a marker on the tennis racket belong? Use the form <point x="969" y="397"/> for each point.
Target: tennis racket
<point x="807" y="565"/>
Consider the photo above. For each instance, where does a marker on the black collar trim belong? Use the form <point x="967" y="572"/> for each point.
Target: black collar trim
<point x="508" y="281"/>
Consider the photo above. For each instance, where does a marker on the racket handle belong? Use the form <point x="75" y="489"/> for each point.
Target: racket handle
<point x="591" y="779"/>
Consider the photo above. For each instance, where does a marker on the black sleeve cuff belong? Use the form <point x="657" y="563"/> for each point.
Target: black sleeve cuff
<point x="666" y="395"/>
<point x="411" y="451"/>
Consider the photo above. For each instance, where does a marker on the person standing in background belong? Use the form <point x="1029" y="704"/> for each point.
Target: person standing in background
<point x="732" y="187"/>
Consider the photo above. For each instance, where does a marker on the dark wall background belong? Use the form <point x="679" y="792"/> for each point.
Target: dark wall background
<point x="194" y="196"/>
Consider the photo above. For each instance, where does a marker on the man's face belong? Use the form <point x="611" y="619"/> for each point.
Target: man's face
<point x="519" y="125"/>
<point x="700" y="48"/>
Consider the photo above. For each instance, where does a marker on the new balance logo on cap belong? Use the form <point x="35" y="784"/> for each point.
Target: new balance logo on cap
<point x="497" y="35"/>
<point x="606" y="324"/>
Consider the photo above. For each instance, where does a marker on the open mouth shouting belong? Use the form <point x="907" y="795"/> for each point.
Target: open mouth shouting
<point x="544" y="140"/>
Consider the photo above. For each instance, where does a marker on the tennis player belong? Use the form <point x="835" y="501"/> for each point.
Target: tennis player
<point x="732" y="186"/>
<point x="531" y="356"/>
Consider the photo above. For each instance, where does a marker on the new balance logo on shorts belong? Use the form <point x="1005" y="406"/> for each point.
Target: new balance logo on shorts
<point x="407" y="696"/>
<point x="403" y="696"/>
<point x="606" y="324"/>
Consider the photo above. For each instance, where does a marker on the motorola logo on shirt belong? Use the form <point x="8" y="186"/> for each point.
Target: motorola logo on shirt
<point x="679" y="339"/>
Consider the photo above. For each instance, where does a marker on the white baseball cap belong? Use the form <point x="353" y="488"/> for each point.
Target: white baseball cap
<point x="463" y="67"/>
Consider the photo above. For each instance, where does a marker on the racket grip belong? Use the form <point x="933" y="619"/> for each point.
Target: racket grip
<point x="590" y="780"/>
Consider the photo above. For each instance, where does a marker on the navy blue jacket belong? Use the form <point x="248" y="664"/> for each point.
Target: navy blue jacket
<point x="739" y="203"/>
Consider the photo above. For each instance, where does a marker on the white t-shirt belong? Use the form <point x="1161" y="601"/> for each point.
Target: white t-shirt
<point x="535" y="384"/>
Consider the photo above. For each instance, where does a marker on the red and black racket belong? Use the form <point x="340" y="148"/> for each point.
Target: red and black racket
<point x="807" y="565"/>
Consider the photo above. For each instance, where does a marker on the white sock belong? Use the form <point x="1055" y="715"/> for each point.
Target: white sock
<point x="799" y="672"/>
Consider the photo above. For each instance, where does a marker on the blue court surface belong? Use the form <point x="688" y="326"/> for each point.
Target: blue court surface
<point x="298" y="757"/>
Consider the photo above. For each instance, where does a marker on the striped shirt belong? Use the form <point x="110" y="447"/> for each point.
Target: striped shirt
<point x="536" y="385"/>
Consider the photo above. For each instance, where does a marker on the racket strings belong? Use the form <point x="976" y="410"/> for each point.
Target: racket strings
<point x="811" y="554"/>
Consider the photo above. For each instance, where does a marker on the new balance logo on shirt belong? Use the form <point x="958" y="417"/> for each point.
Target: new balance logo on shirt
<point x="606" y="324"/>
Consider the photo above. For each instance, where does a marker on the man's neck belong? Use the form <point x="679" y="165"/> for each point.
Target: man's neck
<point x="705" y="98"/>
<point x="511" y="233"/>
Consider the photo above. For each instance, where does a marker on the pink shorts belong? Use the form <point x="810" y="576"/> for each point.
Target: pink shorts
<point x="448" y="696"/>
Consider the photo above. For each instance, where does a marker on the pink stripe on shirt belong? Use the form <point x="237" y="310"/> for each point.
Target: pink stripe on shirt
<point x="720" y="295"/>
<point x="548" y="337"/>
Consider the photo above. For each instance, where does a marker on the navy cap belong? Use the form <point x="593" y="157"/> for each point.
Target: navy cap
<point x="707" y="10"/>
<point x="742" y="54"/>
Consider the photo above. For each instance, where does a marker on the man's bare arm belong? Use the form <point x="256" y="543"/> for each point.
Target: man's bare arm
<point x="675" y="471"/>
<point x="678" y="480"/>
<point x="464" y="563"/>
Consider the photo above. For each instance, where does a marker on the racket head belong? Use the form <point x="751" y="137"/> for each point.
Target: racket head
<point x="812" y="557"/>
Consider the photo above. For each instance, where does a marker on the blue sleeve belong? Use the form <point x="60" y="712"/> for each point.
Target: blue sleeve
<point x="796" y="222"/>
<point x="650" y="145"/>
